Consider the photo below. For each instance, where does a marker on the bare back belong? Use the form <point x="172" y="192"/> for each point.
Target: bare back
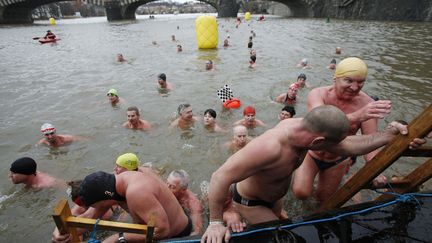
<point x="148" y="196"/>
<point x="270" y="160"/>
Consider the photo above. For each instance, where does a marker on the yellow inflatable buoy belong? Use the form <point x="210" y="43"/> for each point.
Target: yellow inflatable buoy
<point x="207" y="32"/>
<point x="247" y="16"/>
<point x="52" y="21"/>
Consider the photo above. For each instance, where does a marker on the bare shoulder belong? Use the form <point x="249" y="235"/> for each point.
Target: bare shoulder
<point x="321" y="91"/>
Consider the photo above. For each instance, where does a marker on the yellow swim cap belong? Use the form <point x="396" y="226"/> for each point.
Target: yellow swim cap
<point x="129" y="161"/>
<point x="351" y="66"/>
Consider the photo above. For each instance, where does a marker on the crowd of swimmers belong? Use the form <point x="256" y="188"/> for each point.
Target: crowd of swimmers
<point x="250" y="186"/>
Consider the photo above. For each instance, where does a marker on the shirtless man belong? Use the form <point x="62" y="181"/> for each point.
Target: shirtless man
<point x="134" y="120"/>
<point x="210" y="121"/>
<point x="23" y="170"/>
<point x="178" y="182"/>
<point x="262" y="169"/>
<point x="338" y="50"/>
<point x="143" y="194"/>
<point x="163" y="84"/>
<point x="186" y="120"/>
<point x="56" y="140"/>
<point x="362" y="113"/>
<point x="240" y="139"/>
<point x="249" y="120"/>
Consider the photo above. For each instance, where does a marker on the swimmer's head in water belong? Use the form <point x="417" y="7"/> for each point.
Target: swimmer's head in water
<point x="98" y="186"/>
<point x="129" y="161"/>
<point x="304" y="61"/>
<point x="182" y="107"/>
<point x="249" y="110"/>
<point x="162" y="76"/>
<point x="25" y="166"/>
<point x="351" y="67"/>
<point x="302" y="75"/>
<point x="47" y="128"/>
<point x="333" y="61"/>
<point x="112" y="92"/>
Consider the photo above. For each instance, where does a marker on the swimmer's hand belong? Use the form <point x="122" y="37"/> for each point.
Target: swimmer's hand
<point x="377" y="109"/>
<point x="380" y="181"/>
<point x="216" y="233"/>
<point x="58" y="238"/>
<point x="418" y="142"/>
<point x="396" y="127"/>
<point x="233" y="221"/>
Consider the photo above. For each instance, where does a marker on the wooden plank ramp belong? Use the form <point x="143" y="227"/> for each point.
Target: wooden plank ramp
<point x="419" y="127"/>
<point x="66" y="223"/>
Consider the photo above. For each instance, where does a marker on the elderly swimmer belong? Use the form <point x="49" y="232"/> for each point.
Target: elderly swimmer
<point x="52" y="139"/>
<point x="362" y="112"/>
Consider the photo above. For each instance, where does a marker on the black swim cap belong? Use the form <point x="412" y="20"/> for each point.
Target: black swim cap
<point x="25" y="166"/>
<point x="162" y="76"/>
<point x="302" y="75"/>
<point x="98" y="186"/>
<point x="333" y="61"/>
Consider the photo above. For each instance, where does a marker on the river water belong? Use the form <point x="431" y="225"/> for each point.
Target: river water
<point x="66" y="84"/>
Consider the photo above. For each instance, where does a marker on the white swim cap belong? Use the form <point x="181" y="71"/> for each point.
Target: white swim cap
<point x="47" y="128"/>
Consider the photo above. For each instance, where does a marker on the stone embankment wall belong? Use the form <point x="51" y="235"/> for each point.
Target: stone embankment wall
<point x="399" y="10"/>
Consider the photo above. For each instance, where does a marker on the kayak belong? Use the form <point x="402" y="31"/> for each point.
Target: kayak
<point x="47" y="40"/>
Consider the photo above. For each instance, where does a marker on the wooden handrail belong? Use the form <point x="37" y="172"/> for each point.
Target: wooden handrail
<point x="419" y="127"/>
<point x="419" y="176"/>
<point x="66" y="223"/>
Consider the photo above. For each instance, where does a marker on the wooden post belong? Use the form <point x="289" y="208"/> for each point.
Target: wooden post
<point x="419" y="176"/>
<point x="61" y="214"/>
<point x="66" y="223"/>
<point x="419" y="127"/>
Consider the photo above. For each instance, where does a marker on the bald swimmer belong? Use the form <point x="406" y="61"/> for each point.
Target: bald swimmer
<point x="362" y="112"/>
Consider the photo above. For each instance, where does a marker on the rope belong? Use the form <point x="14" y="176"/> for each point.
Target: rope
<point x="408" y="197"/>
<point x="93" y="234"/>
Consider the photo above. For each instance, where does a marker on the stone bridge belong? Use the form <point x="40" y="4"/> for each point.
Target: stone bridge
<point x="19" y="11"/>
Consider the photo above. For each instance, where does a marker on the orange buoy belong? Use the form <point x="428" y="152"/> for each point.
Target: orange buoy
<point x="233" y="103"/>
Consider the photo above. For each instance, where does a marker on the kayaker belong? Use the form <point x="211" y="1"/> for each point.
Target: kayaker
<point x="50" y="35"/>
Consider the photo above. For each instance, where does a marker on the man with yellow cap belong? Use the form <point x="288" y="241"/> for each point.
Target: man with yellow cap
<point x="363" y="113"/>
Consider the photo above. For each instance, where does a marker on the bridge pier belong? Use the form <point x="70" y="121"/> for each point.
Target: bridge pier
<point x="15" y="15"/>
<point x="115" y="11"/>
<point x="228" y="8"/>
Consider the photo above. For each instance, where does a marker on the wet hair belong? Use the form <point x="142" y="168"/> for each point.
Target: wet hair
<point x="290" y="110"/>
<point x="250" y="44"/>
<point x="181" y="107"/>
<point x="162" y="76"/>
<point x="183" y="176"/>
<point x="253" y="58"/>
<point x="302" y="75"/>
<point x="75" y="188"/>
<point x="333" y="61"/>
<point x="211" y="112"/>
<point x="328" y="121"/>
<point x="133" y="108"/>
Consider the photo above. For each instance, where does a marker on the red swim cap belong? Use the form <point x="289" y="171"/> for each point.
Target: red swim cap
<point x="249" y="110"/>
